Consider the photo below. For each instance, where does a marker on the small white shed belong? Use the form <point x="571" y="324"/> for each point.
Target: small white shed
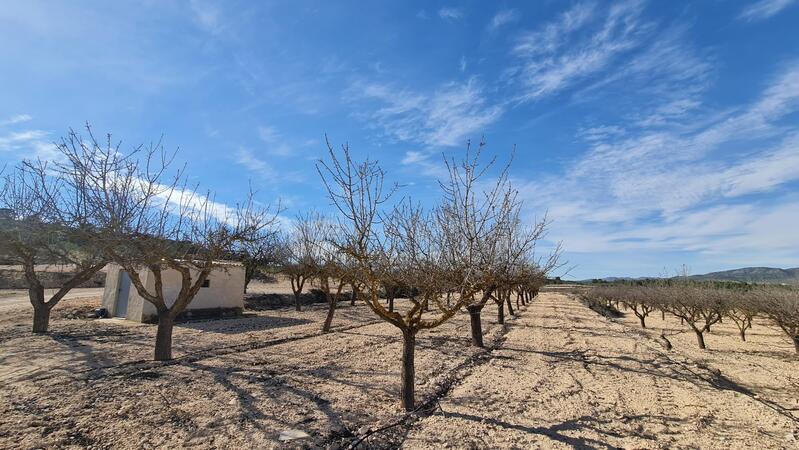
<point x="222" y="293"/>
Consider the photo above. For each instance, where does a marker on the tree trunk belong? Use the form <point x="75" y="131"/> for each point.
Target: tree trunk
<point x="700" y="339"/>
<point x="796" y="344"/>
<point x="354" y="295"/>
<point x="331" y="302"/>
<point x="501" y="312"/>
<point x="163" y="337"/>
<point x="743" y="333"/>
<point x="297" y="301"/>
<point x="41" y="318"/>
<point x="408" y="372"/>
<point x="391" y="304"/>
<point x="643" y="321"/>
<point x="476" y="325"/>
<point x="510" y="307"/>
<point x="297" y="283"/>
<point x="663" y="315"/>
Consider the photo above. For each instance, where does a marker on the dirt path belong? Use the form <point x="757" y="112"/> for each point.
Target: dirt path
<point x="566" y="377"/>
<point x="74" y="387"/>
<point x="15" y="298"/>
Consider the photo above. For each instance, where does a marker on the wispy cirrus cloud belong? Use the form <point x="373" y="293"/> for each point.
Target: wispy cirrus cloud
<point x="248" y="159"/>
<point x="717" y="188"/>
<point x="276" y="143"/>
<point x="667" y="76"/>
<point x="19" y="118"/>
<point x="502" y="18"/>
<point x="444" y="117"/>
<point x="450" y="13"/>
<point x="29" y="143"/>
<point x="764" y="9"/>
<point x="582" y="41"/>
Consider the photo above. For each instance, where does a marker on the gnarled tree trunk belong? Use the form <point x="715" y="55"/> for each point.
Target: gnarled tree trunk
<point x="297" y="283"/>
<point x="408" y="370"/>
<point x="476" y="324"/>
<point x="163" y="337"/>
<point x="700" y="338"/>
<point x="501" y="312"/>
<point x="41" y="318"/>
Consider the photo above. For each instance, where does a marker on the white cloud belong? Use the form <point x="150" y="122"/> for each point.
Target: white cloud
<point x="667" y="78"/>
<point x="29" y="144"/>
<point x="557" y="56"/>
<point x="450" y="13"/>
<point x="250" y="160"/>
<point x="19" y="118"/>
<point x="275" y="142"/>
<point x="763" y="9"/>
<point x="445" y="117"/>
<point x="503" y="18"/>
<point x="721" y="187"/>
<point x="462" y="63"/>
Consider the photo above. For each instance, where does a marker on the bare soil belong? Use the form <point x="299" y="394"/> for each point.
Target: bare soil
<point x="557" y="375"/>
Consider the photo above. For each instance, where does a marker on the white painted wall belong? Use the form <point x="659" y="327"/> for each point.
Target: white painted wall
<point x="225" y="290"/>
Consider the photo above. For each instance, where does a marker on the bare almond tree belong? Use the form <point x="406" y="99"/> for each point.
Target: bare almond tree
<point x="358" y="193"/>
<point x="299" y="263"/>
<point x="260" y="254"/>
<point x="50" y="223"/>
<point x="317" y="242"/>
<point x="160" y="224"/>
<point x="477" y="217"/>
<point x="781" y="305"/>
<point x="742" y="307"/>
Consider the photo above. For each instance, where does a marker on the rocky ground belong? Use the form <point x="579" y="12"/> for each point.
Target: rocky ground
<point x="557" y="375"/>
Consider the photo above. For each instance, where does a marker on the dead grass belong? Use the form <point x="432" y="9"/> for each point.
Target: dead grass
<point x="561" y="376"/>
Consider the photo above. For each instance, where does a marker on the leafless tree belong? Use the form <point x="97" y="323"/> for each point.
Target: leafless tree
<point x="50" y="222"/>
<point x="641" y="300"/>
<point x="357" y="191"/>
<point x="316" y="240"/>
<point x="741" y="307"/>
<point x="475" y="218"/>
<point x="159" y="223"/>
<point x="259" y="254"/>
<point x="781" y="305"/>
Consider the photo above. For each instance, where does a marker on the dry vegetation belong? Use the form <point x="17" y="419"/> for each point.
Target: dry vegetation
<point x="398" y="354"/>
<point x="701" y="305"/>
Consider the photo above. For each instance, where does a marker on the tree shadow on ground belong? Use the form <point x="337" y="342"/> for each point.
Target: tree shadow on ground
<point x="662" y="367"/>
<point x="242" y="382"/>
<point x="243" y="324"/>
<point x="557" y="432"/>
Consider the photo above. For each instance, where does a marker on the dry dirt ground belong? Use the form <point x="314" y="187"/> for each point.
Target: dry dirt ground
<point x="556" y="376"/>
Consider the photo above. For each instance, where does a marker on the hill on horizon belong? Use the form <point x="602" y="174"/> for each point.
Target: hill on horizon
<point x="754" y="275"/>
<point x="744" y="274"/>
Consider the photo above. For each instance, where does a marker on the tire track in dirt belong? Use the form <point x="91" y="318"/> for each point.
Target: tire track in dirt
<point x="138" y="366"/>
<point x="572" y="378"/>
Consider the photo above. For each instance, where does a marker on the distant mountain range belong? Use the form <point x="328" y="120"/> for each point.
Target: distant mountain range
<point x="745" y="274"/>
<point x="754" y="275"/>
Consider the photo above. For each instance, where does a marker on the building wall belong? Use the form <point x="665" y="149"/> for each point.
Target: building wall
<point x="111" y="289"/>
<point x="225" y="290"/>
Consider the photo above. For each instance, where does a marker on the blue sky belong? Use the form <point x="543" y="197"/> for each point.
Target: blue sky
<point x="654" y="134"/>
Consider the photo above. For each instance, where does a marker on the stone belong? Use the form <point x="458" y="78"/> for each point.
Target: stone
<point x="290" y="435"/>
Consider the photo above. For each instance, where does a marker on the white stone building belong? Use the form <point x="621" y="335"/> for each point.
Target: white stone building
<point x="222" y="293"/>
